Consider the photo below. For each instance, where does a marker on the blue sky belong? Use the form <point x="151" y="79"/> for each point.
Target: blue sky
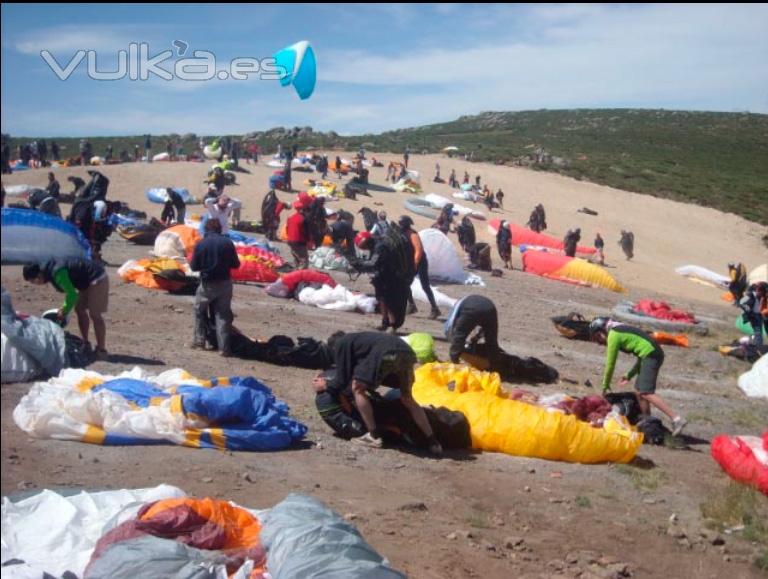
<point x="382" y="67"/>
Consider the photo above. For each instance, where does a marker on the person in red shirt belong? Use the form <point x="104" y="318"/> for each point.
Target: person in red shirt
<point x="296" y="232"/>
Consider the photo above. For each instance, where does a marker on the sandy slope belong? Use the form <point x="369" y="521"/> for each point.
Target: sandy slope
<point x="668" y="234"/>
<point x="573" y="520"/>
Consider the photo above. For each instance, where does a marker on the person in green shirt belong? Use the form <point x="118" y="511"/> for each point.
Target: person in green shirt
<point x="620" y="337"/>
<point x="85" y="286"/>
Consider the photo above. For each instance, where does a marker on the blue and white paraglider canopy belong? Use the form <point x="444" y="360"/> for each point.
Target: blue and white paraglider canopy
<point x="300" y="65"/>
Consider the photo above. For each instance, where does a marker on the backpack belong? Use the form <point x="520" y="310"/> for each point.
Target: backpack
<point x="573" y="326"/>
<point x="401" y="251"/>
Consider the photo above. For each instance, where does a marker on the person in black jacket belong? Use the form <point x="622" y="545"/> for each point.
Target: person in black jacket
<point x="469" y="313"/>
<point x="466" y="233"/>
<point x="214" y="257"/>
<point x="570" y="242"/>
<point x="364" y="361"/>
<point x="343" y="235"/>
<point x="504" y="244"/>
<point x="391" y="263"/>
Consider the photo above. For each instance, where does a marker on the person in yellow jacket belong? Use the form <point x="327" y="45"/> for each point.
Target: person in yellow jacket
<point x="738" y="284"/>
<point x="421" y="266"/>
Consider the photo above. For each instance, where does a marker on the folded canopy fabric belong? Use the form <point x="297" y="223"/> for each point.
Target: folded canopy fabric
<point x="500" y="424"/>
<point x="569" y="269"/>
<point x="28" y="236"/>
<point x="134" y="408"/>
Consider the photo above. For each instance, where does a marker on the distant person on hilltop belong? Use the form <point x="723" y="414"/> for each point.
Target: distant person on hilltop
<point x="148" y="148"/>
<point x="599" y="246"/>
<point x="452" y="181"/>
<point x="627" y="243"/>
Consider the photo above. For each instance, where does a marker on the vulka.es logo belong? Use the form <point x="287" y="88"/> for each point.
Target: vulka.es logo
<point x="136" y="63"/>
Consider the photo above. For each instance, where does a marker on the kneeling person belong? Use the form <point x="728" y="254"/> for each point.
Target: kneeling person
<point x="468" y="314"/>
<point x="364" y="361"/>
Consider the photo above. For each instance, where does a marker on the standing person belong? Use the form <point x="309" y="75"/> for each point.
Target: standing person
<point x="381" y="227"/>
<point x="287" y="173"/>
<point x="470" y="313"/>
<point x="737" y="273"/>
<point x="500" y="198"/>
<point x="570" y="242"/>
<point x="223" y="209"/>
<point x="214" y="257"/>
<point x="55" y="151"/>
<point x="297" y="235"/>
<point x="650" y="357"/>
<point x="390" y="171"/>
<point x="6" y="159"/>
<point x="466" y="232"/>
<point x="599" y="246"/>
<point x="421" y="266"/>
<point x="627" y="243"/>
<point x="477" y="182"/>
<point x="322" y="167"/>
<point x="53" y="188"/>
<point x="110" y="153"/>
<point x="42" y="150"/>
<point x="406" y="156"/>
<point x="338" y="167"/>
<point x="466" y="177"/>
<point x="391" y="263"/>
<point x="366" y="360"/>
<point x="148" y="148"/>
<point x="85" y="286"/>
<point x="452" y="181"/>
<point x="82" y="153"/>
<point x="437" y="173"/>
<point x="136" y="153"/>
<point x="271" y="208"/>
<point x="504" y="244"/>
<point x="753" y="304"/>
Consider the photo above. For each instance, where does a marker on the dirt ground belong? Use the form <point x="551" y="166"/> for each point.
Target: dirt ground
<point x="468" y="514"/>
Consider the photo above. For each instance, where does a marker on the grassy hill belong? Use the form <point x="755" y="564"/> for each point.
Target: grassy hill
<point x="712" y="159"/>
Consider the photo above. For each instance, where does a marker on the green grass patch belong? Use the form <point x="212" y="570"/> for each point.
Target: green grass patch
<point x="739" y="505"/>
<point x="643" y="479"/>
<point x="583" y="502"/>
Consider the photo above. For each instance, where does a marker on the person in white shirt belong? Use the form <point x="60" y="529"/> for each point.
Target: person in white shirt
<point x="223" y="208"/>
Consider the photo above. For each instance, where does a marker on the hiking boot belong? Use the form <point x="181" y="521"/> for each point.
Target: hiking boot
<point x="434" y="314"/>
<point x="677" y="425"/>
<point x="100" y="355"/>
<point x="412" y="309"/>
<point x="368" y="440"/>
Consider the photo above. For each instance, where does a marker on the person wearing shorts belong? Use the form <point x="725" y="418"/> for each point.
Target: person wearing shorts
<point x="85" y="285"/>
<point x="364" y="361"/>
<point x="650" y="357"/>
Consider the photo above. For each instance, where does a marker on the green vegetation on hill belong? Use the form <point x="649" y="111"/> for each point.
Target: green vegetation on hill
<point x="712" y="159"/>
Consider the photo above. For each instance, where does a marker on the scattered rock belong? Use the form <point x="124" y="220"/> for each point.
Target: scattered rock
<point x="206" y="479"/>
<point x="556" y="564"/>
<point x="413" y="507"/>
<point x="351" y="516"/>
<point x="497" y="521"/>
<point x="465" y="534"/>
<point x="246" y="476"/>
<point x="531" y="470"/>
<point x="451" y="536"/>
<point x="515" y="543"/>
<point x="527" y="489"/>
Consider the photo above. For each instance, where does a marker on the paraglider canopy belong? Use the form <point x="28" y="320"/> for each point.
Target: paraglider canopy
<point x="300" y="65"/>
